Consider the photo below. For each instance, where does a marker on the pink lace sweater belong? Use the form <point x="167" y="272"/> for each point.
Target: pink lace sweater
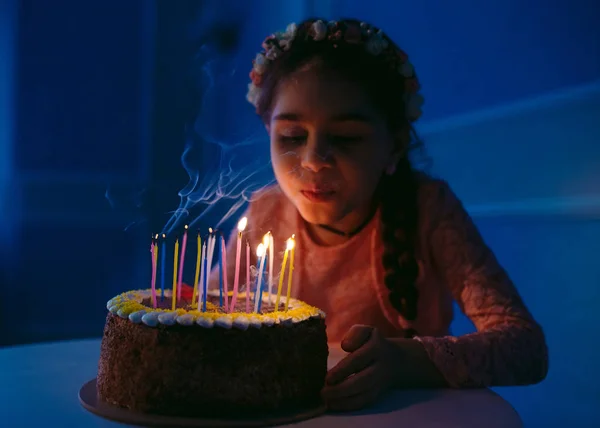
<point x="346" y="281"/>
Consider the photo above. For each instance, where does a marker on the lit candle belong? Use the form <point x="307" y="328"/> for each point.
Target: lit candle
<point x="183" y="248"/>
<point x="247" y="277"/>
<point x="288" y="248"/>
<point x="201" y="283"/>
<point x="224" y="272"/>
<point x="198" y="268"/>
<point x="261" y="251"/>
<point x="174" y="291"/>
<point x="154" y="267"/>
<point x="211" y="251"/>
<point x="270" y="264"/>
<point x="289" y="287"/>
<point x="238" y="253"/>
<point x="163" y="267"/>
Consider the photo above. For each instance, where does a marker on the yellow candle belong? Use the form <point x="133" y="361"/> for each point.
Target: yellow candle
<point x="289" y="287"/>
<point x="174" y="297"/>
<point x="198" y="262"/>
<point x="290" y="245"/>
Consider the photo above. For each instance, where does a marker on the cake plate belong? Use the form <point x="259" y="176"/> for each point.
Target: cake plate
<point x="89" y="400"/>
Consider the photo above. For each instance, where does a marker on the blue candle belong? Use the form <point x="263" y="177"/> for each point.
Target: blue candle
<point x="220" y="276"/>
<point x="163" y="262"/>
<point x="206" y="274"/>
<point x="257" y="285"/>
<point x="259" y="291"/>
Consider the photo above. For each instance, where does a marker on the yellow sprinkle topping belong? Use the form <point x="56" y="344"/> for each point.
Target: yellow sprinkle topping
<point x="130" y="302"/>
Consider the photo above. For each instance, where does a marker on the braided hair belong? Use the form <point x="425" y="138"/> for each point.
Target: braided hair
<point x="372" y="60"/>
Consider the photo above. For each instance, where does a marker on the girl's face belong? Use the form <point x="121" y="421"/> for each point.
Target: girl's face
<point x="329" y="148"/>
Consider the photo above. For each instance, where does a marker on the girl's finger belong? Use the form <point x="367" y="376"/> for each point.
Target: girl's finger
<point x="364" y="380"/>
<point x="350" y="364"/>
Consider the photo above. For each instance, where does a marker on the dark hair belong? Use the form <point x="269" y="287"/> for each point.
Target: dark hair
<point x="397" y="192"/>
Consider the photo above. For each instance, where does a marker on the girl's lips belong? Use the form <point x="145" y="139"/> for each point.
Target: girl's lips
<point x="318" y="195"/>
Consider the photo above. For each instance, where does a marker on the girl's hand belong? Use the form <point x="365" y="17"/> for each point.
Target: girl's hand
<point x="363" y="375"/>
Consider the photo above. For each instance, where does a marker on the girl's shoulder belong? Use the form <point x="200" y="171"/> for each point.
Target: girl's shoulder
<point x="435" y="197"/>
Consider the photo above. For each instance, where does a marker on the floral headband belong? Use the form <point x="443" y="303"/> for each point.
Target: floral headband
<point x="374" y="41"/>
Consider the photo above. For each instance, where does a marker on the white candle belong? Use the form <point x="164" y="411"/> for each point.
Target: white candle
<point x="210" y="250"/>
<point x="238" y="254"/>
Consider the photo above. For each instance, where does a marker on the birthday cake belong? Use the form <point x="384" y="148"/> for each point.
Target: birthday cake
<point x="211" y="362"/>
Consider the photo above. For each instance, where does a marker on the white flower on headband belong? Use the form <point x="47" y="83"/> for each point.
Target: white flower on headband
<point x="260" y="63"/>
<point x="286" y="38"/>
<point x="319" y="29"/>
<point x="376" y="43"/>
<point x="290" y="31"/>
<point x="253" y="94"/>
<point x="273" y="53"/>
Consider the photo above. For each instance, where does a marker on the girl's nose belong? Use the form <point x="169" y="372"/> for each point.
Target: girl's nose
<point x="317" y="154"/>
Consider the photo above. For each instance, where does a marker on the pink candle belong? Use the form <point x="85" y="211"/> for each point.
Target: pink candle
<point x="180" y="277"/>
<point x="247" y="277"/>
<point x="154" y="252"/>
<point x="238" y="254"/>
<point x="224" y="271"/>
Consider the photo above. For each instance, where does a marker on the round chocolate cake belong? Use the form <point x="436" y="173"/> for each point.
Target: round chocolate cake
<point x="211" y="363"/>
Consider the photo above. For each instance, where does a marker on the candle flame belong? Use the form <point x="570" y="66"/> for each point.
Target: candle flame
<point x="156" y="236"/>
<point x="164" y="236"/>
<point x="260" y="250"/>
<point x="290" y="243"/>
<point x="186" y="227"/>
<point x="242" y="224"/>
<point x="266" y="240"/>
<point x="210" y="230"/>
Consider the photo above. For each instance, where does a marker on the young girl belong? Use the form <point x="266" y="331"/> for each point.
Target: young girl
<point x="381" y="248"/>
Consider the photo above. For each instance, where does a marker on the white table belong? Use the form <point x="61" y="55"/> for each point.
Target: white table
<point x="39" y="386"/>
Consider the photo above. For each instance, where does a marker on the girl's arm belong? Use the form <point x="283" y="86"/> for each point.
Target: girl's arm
<point x="509" y="347"/>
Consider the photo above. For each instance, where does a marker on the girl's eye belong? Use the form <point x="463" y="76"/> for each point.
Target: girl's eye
<point x="345" y="140"/>
<point x="292" y="139"/>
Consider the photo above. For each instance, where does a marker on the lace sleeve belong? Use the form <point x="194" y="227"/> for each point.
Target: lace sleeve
<point x="509" y="347"/>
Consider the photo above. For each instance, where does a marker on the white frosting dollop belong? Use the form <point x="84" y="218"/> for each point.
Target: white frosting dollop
<point x="186" y="319"/>
<point x="167" y="318"/>
<point x="113" y="309"/>
<point x="205" y="322"/>
<point x="151" y="319"/>
<point x="136" y="317"/>
<point x="241" y="323"/>
<point x="269" y="322"/>
<point x="254" y="322"/>
<point x="224" y="322"/>
<point x="123" y="313"/>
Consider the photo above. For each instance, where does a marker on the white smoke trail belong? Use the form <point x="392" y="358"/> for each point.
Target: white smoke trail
<point x="224" y="171"/>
